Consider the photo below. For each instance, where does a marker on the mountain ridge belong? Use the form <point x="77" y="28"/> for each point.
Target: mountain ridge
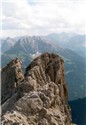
<point x="38" y="98"/>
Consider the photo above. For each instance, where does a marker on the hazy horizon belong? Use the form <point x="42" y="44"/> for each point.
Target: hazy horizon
<point x="27" y="35"/>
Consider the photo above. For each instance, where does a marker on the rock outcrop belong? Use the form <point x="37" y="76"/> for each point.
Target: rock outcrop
<point x="40" y="97"/>
<point x="11" y="76"/>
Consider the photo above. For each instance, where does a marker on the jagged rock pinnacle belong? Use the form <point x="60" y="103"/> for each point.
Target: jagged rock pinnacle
<point x="11" y="75"/>
<point x="41" y="94"/>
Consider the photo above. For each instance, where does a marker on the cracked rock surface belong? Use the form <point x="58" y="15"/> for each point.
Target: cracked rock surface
<point x="40" y="96"/>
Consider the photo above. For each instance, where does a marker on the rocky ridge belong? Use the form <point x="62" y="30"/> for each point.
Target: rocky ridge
<point x="40" y="96"/>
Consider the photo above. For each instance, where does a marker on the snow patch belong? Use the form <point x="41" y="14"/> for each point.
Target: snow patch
<point x="35" y="55"/>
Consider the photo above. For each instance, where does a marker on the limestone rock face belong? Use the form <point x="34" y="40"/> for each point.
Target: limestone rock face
<point x="41" y="98"/>
<point x="11" y="75"/>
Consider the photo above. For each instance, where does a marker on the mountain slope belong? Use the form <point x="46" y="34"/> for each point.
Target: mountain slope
<point x="78" y="108"/>
<point x="7" y="43"/>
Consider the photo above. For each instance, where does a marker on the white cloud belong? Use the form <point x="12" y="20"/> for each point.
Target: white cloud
<point x="23" y="18"/>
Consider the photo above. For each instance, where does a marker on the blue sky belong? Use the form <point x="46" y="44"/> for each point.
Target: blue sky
<point x="41" y="17"/>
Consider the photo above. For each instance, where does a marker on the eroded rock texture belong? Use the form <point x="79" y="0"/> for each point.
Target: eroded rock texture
<point x="11" y="75"/>
<point x="41" y="96"/>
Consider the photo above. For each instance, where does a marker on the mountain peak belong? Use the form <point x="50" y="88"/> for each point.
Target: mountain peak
<point x="41" y="98"/>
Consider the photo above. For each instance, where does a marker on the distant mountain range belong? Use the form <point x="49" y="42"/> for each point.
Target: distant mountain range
<point x="26" y="48"/>
<point x="75" y="42"/>
<point x="7" y="43"/>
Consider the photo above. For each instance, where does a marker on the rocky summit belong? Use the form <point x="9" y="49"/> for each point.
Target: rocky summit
<point x="38" y="97"/>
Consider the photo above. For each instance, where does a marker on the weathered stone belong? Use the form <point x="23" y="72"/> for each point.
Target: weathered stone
<point x="11" y="76"/>
<point x="42" y="95"/>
